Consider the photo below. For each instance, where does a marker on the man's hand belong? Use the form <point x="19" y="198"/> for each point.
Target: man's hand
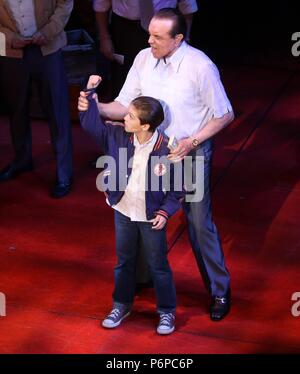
<point x="83" y="103"/>
<point x="19" y="42"/>
<point x="184" y="148"/>
<point x="39" y="39"/>
<point x="158" y="222"/>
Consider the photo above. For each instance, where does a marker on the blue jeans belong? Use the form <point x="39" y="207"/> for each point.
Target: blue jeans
<point x="155" y="244"/>
<point x="203" y="233"/>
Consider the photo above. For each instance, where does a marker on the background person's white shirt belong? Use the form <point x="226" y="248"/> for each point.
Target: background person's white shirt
<point x="130" y="9"/>
<point x="24" y="15"/>
<point x="187" y="84"/>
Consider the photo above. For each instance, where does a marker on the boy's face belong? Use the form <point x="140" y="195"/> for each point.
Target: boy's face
<point x="132" y="121"/>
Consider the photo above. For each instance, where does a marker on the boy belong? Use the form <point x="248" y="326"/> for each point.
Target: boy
<point x="140" y="209"/>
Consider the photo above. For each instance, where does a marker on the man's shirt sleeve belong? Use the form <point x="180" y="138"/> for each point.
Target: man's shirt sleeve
<point x="132" y="86"/>
<point x="212" y="91"/>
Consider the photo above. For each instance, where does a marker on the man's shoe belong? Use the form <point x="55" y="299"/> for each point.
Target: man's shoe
<point x="61" y="189"/>
<point x="115" y="317"/>
<point x="11" y="171"/>
<point x="166" y="323"/>
<point x="220" y="307"/>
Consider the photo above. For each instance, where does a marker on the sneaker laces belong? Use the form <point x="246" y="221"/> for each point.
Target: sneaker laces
<point x="166" y="319"/>
<point x="220" y="300"/>
<point x="114" y="313"/>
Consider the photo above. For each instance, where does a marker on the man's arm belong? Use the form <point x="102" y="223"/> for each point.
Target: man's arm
<point x="215" y="99"/>
<point x="113" y="110"/>
<point x="214" y="126"/>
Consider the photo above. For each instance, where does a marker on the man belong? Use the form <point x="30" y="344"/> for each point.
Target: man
<point x="189" y="85"/>
<point x="34" y="35"/>
<point x="123" y="32"/>
<point x="127" y="32"/>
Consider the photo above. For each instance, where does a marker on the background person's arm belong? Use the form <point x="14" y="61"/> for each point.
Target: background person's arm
<point x="187" y="8"/>
<point x="189" y="22"/>
<point x="105" y="42"/>
<point x="102" y="10"/>
<point x="13" y="39"/>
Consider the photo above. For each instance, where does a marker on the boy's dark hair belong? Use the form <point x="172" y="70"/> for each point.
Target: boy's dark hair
<point x="179" y="23"/>
<point x="150" y="111"/>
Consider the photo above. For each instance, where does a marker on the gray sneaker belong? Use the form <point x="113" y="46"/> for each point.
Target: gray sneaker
<point x="166" y="323"/>
<point x="115" y="317"/>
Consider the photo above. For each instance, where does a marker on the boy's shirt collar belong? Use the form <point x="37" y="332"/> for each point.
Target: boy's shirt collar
<point x="149" y="142"/>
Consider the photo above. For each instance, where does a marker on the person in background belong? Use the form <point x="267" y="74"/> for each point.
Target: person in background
<point x="34" y="34"/>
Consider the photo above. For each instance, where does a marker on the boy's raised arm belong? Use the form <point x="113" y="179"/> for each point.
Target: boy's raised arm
<point x="92" y="123"/>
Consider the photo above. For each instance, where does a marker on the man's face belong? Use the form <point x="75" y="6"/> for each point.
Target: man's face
<point x="160" y="40"/>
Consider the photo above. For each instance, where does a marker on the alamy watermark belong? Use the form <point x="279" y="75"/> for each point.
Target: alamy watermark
<point x="2" y="305"/>
<point x="296" y="46"/>
<point x="295" y="310"/>
<point x="188" y="174"/>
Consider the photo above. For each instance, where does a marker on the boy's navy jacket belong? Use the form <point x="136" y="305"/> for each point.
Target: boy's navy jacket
<point x="164" y="200"/>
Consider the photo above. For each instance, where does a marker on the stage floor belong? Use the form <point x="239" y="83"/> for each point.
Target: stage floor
<point x="57" y="256"/>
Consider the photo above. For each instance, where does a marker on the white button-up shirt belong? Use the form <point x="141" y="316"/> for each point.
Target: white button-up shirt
<point x="24" y="15"/>
<point x="188" y="85"/>
<point x="133" y="204"/>
<point x="130" y="9"/>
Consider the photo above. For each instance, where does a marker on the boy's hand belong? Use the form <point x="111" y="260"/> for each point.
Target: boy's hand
<point x="94" y="81"/>
<point x="158" y="222"/>
<point x="83" y="103"/>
